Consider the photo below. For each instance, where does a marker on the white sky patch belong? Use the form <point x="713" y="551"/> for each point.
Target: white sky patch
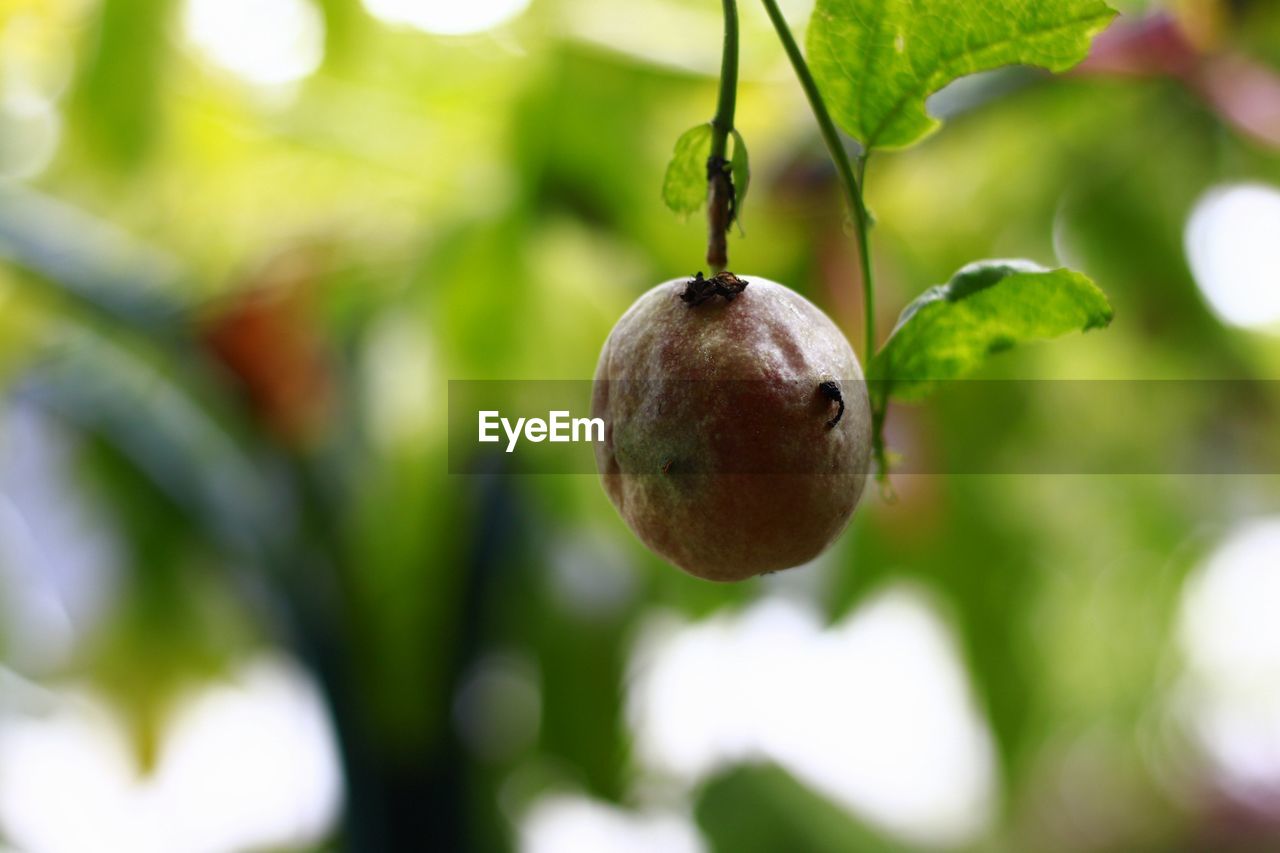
<point x="874" y="712"/>
<point x="266" y="42"/>
<point x="1230" y="636"/>
<point x="1232" y="247"/>
<point x="573" y="824"/>
<point x="447" y="17"/>
<point x="248" y="764"/>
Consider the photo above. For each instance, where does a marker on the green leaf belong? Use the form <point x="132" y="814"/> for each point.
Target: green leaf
<point x="684" y="188"/>
<point x="740" y="166"/>
<point x="876" y="61"/>
<point x="987" y="307"/>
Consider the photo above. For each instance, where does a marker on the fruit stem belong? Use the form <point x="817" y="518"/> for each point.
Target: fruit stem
<point x="720" y="189"/>
<point x="852" y="182"/>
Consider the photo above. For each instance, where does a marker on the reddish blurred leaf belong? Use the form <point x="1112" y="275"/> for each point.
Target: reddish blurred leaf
<point x="1151" y="46"/>
<point x="1243" y="92"/>
<point x="266" y="337"/>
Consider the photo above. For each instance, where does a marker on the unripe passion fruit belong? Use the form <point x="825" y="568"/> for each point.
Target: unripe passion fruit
<point x="737" y="425"/>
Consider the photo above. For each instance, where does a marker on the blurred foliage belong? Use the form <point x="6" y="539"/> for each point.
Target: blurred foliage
<point x="246" y="301"/>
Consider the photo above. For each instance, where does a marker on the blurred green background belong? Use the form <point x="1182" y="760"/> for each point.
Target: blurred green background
<point x="244" y="245"/>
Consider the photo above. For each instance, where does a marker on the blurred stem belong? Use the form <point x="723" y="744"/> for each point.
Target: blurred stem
<point x="720" y="189"/>
<point x="852" y="182"/>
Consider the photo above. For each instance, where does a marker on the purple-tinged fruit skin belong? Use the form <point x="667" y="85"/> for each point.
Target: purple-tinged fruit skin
<point x="717" y="450"/>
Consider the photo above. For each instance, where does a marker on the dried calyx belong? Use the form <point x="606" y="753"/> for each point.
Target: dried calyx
<point x="698" y="289"/>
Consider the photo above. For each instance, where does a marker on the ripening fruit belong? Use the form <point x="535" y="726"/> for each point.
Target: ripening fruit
<point x="737" y="425"/>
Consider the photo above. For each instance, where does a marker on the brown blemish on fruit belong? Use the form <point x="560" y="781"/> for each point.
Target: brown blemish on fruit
<point x="831" y="391"/>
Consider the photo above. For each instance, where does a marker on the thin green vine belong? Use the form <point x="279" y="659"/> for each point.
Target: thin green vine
<point x="721" y="206"/>
<point x="722" y="124"/>
<point x="853" y="183"/>
<point x="848" y="179"/>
